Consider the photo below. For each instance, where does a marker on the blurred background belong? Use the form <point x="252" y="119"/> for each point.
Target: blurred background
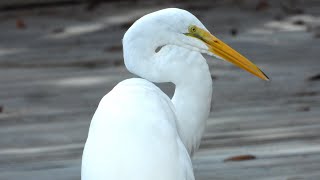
<point x="58" y="58"/>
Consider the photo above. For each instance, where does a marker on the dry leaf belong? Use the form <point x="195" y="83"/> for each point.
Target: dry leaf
<point x="240" y="158"/>
<point x="20" y="24"/>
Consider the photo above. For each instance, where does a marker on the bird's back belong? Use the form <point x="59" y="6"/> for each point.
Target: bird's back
<point x="133" y="136"/>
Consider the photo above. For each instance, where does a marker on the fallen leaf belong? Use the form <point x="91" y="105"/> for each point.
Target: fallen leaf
<point x="245" y="157"/>
<point x="114" y="48"/>
<point x="20" y="24"/>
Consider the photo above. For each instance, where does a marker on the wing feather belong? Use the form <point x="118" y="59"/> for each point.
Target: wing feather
<point x="133" y="136"/>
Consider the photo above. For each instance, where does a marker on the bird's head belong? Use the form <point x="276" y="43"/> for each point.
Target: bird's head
<point x="178" y="27"/>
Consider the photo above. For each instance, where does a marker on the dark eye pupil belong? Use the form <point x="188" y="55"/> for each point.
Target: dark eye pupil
<point x="194" y="29"/>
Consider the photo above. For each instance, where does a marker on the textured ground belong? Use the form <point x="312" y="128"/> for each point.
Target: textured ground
<point x="57" y="63"/>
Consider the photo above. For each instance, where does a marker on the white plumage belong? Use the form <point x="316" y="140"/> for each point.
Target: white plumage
<point x="137" y="132"/>
<point x="140" y="143"/>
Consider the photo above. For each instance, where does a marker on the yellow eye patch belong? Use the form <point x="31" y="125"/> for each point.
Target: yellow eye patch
<point x="192" y="29"/>
<point x="196" y="32"/>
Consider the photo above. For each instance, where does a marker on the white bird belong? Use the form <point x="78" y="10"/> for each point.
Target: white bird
<point x="137" y="131"/>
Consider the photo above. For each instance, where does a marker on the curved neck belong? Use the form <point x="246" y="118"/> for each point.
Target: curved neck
<point x="187" y="69"/>
<point x="192" y="100"/>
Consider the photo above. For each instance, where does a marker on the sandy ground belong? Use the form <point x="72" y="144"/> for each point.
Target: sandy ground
<point x="57" y="63"/>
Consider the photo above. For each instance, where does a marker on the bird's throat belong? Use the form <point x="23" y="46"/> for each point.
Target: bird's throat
<point x="192" y="101"/>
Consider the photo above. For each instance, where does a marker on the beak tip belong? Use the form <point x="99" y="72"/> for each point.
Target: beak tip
<point x="265" y="76"/>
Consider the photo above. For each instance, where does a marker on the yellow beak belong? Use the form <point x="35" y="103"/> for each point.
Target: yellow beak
<point x="219" y="48"/>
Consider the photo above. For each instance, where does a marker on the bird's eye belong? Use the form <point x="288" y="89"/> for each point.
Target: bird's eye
<point x="192" y="29"/>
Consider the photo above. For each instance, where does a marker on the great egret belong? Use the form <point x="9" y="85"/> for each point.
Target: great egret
<point x="137" y="132"/>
